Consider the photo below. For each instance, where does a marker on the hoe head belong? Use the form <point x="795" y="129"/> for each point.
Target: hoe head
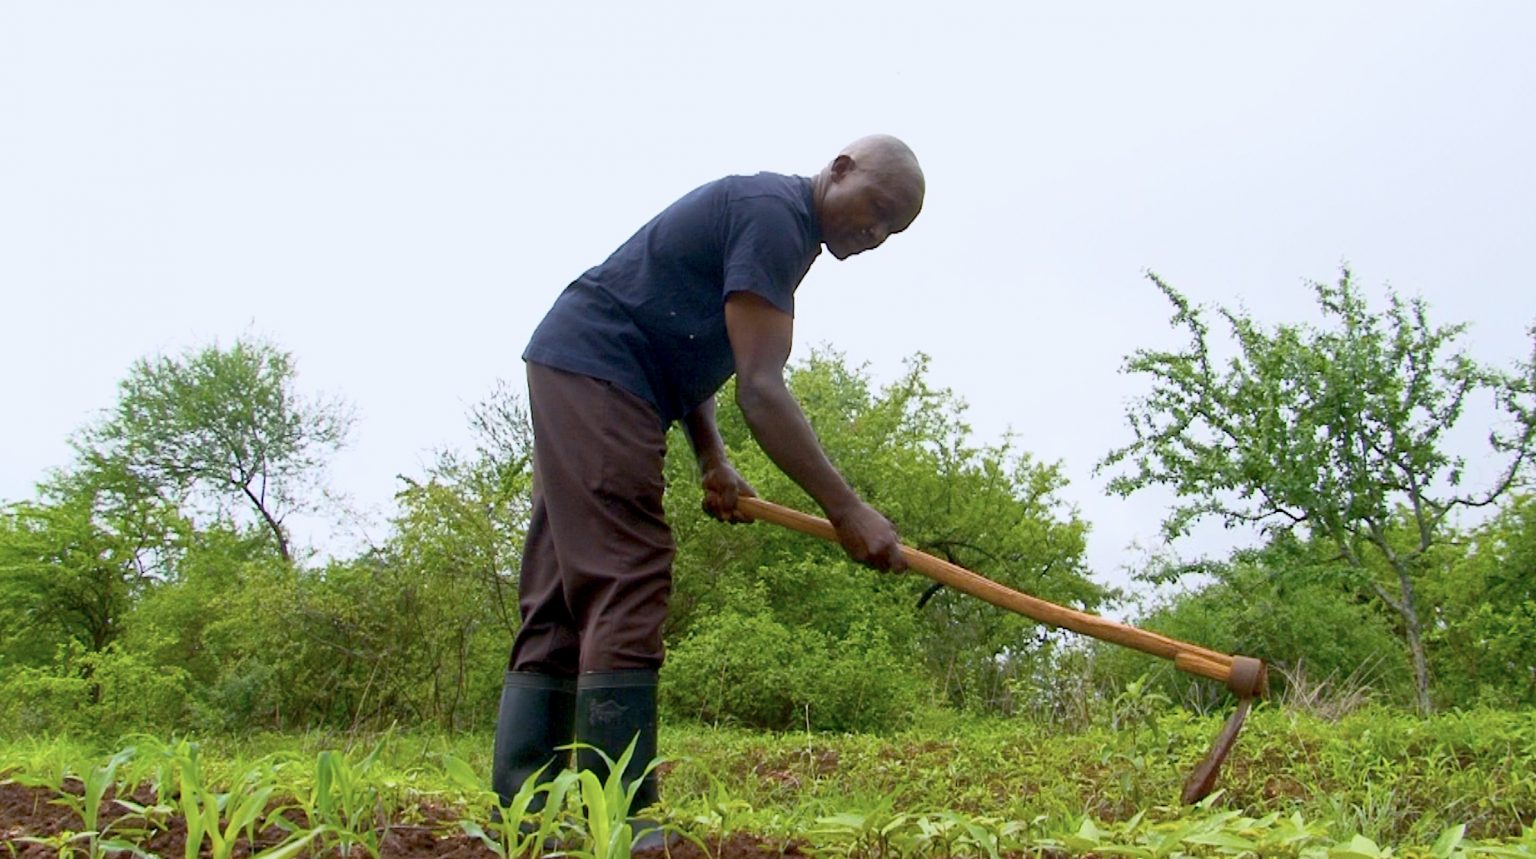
<point x="1248" y="679"/>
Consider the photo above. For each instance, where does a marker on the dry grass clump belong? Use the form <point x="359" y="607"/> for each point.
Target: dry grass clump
<point x="1330" y="697"/>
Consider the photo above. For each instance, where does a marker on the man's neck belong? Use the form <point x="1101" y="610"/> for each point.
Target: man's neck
<point x="818" y="191"/>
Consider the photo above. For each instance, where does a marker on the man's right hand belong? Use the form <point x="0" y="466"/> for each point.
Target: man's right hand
<point x="722" y="487"/>
<point x="870" y="538"/>
<point x="761" y="336"/>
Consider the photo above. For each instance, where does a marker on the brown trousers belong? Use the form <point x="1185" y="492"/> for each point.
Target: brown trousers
<point x="597" y="565"/>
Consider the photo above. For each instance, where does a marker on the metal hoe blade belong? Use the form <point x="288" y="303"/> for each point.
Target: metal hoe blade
<point x="1249" y="679"/>
<point x="1203" y="779"/>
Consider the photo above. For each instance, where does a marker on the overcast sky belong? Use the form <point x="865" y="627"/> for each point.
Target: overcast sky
<point x="395" y="192"/>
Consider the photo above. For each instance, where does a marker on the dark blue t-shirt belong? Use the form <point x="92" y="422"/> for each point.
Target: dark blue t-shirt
<point x="651" y="318"/>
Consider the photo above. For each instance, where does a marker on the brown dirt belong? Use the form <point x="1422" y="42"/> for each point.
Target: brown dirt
<point x="734" y="846"/>
<point x="28" y="812"/>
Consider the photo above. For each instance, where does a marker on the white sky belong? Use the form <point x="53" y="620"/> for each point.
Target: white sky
<point x="395" y="192"/>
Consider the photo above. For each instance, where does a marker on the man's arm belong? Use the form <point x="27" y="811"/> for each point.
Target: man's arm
<point x="722" y="484"/>
<point x="761" y="336"/>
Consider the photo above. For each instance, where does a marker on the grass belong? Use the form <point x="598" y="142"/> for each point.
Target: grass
<point x="1372" y="783"/>
<point x="1388" y="776"/>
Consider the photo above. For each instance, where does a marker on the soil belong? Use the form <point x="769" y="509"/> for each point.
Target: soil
<point x="29" y="812"/>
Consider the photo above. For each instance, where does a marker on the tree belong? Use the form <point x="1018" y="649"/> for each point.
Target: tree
<point x="1283" y="601"/>
<point x="1484" y="604"/>
<point x="469" y="517"/>
<point x="906" y="448"/>
<point x="452" y="564"/>
<point x="223" y="426"/>
<point x="1340" y="430"/>
<point x="60" y="573"/>
<point x="72" y="561"/>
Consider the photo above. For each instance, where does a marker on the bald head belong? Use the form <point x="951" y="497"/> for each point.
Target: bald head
<point x="873" y="188"/>
<point x="891" y="160"/>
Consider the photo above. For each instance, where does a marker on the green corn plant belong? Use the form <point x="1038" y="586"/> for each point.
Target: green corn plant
<point x="345" y="803"/>
<point x="152" y="815"/>
<point x="48" y="772"/>
<point x="59" y="843"/>
<point x="510" y="833"/>
<point x="220" y="818"/>
<point x="153" y="763"/>
<point x="292" y="847"/>
<point x="63" y="844"/>
<point x="88" y="805"/>
<point x="603" y="805"/>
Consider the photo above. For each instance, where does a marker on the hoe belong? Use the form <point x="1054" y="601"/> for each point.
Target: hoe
<point x="1247" y="677"/>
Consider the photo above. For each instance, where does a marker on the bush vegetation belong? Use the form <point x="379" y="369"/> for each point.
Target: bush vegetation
<point x="132" y="600"/>
<point x="153" y="583"/>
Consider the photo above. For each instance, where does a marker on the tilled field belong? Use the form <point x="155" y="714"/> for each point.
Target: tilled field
<point x="34" y="826"/>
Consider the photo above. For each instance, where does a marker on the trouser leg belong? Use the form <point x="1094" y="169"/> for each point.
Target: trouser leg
<point x="549" y="640"/>
<point x="599" y="530"/>
<point x="597" y="567"/>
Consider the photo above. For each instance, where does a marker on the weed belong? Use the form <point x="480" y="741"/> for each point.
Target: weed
<point x="1374" y="783"/>
<point x="1331" y="697"/>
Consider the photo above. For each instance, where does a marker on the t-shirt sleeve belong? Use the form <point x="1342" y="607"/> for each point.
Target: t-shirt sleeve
<point x="764" y="250"/>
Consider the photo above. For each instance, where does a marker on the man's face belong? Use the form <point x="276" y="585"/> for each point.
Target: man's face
<point x="861" y="210"/>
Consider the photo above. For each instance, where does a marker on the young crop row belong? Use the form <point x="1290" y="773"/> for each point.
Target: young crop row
<point x="272" y="809"/>
<point x="290" y="802"/>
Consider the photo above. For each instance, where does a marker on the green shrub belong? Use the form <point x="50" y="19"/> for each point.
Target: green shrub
<point x="752" y="670"/>
<point x="246" y="694"/>
<point x="137" y="695"/>
<point x="105" y="693"/>
<point x="39" y="701"/>
<point x="1307" y="630"/>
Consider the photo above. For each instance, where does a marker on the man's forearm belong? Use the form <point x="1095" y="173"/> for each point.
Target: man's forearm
<point x="704" y="435"/>
<point x="781" y="430"/>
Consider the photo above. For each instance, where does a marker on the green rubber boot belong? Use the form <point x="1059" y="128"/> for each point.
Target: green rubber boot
<point x="613" y="709"/>
<point x="537" y="716"/>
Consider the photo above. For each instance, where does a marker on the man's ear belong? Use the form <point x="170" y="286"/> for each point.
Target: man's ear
<point x="842" y="165"/>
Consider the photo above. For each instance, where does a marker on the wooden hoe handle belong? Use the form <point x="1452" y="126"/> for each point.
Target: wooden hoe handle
<point x="1245" y="676"/>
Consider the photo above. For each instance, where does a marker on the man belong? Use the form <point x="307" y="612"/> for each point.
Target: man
<point x="647" y="338"/>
